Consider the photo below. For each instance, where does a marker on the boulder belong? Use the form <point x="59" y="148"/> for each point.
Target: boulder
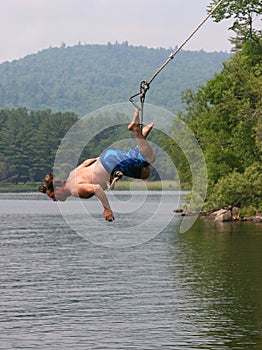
<point x="235" y="213"/>
<point x="257" y="219"/>
<point x="223" y="215"/>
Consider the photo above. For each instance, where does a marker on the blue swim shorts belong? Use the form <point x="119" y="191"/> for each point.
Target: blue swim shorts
<point x="129" y="163"/>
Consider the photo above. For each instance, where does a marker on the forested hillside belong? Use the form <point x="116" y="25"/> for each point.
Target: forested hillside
<point x="83" y="78"/>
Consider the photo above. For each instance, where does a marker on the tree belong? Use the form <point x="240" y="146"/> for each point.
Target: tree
<point x="15" y="134"/>
<point x="259" y="131"/>
<point x="29" y="142"/>
<point x="236" y="189"/>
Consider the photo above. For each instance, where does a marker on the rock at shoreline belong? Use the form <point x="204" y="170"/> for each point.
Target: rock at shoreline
<point x="235" y="213"/>
<point x="226" y="215"/>
<point x="256" y="219"/>
<point x="223" y="215"/>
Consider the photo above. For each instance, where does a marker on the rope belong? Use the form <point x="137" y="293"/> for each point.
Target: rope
<point x="145" y="85"/>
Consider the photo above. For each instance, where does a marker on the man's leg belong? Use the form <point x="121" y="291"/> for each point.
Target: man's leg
<point x="144" y="147"/>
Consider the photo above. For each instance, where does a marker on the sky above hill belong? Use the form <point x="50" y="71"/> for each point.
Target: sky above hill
<point x="28" y="26"/>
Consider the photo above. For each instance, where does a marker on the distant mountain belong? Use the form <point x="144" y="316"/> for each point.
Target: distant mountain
<point x="83" y="78"/>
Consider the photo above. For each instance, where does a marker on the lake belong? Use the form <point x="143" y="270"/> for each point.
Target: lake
<point x="74" y="282"/>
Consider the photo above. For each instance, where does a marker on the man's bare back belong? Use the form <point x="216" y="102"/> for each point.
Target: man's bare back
<point x="89" y="172"/>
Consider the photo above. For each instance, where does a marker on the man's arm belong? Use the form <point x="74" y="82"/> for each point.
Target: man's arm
<point x="88" y="190"/>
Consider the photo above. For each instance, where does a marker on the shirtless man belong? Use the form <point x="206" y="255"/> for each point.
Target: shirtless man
<point x="93" y="175"/>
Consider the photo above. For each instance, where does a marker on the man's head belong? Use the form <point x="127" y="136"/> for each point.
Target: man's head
<point x="57" y="193"/>
<point x="48" y="186"/>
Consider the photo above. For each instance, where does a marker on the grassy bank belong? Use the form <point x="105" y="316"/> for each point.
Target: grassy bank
<point x="137" y="185"/>
<point x="13" y="188"/>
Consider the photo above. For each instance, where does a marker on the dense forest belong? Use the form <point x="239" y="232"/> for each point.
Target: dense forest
<point x="82" y="78"/>
<point x="224" y="111"/>
<point x="29" y="141"/>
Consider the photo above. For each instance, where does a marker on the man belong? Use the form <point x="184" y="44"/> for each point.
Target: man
<point x="93" y="175"/>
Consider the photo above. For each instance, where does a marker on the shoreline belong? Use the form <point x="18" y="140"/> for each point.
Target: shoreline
<point x="221" y="215"/>
<point x="224" y="215"/>
<point x="227" y="215"/>
<point x="136" y="185"/>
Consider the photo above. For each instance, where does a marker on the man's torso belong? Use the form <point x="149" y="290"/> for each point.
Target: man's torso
<point x="92" y="174"/>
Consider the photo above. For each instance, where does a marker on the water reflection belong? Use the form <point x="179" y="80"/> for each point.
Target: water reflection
<point x="221" y="277"/>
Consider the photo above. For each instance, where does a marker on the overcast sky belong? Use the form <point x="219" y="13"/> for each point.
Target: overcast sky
<point x="28" y="26"/>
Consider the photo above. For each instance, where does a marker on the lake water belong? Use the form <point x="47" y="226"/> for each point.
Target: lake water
<point x="62" y="288"/>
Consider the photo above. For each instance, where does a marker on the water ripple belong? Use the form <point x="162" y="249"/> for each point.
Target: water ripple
<point x="178" y="291"/>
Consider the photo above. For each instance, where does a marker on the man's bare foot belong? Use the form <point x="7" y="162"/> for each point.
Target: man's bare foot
<point x="146" y="129"/>
<point x="135" y="124"/>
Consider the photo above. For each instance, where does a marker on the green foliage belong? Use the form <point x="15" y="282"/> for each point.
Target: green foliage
<point x="244" y="13"/>
<point x="28" y="142"/>
<point x="238" y="189"/>
<point x="248" y="211"/>
<point x="259" y="131"/>
<point x="83" y="78"/>
<point x="225" y="116"/>
<point x="178" y="157"/>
